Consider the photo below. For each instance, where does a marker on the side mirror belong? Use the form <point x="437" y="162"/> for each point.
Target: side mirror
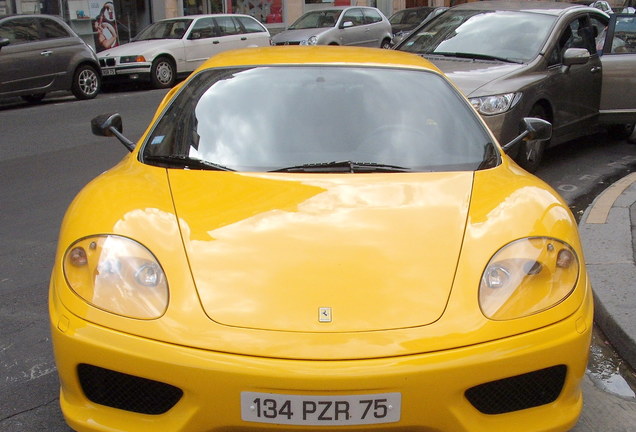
<point x="575" y="56"/>
<point x="195" y="35"/>
<point x="534" y="129"/>
<point x="4" y="42"/>
<point x="347" y="24"/>
<point x="111" y="124"/>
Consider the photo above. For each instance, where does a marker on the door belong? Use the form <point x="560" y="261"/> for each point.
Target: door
<point x="618" y="95"/>
<point x="356" y="33"/>
<point x="203" y="41"/>
<point x="26" y="62"/>
<point x="575" y="90"/>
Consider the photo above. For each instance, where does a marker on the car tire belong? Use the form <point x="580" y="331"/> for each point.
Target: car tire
<point x="531" y="152"/>
<point x="163" y="73"/>
<point x="86" y="82"/>
<point x="33" y="98"/>
<point x="621" y="131"/>
<point x="386" y="44"/>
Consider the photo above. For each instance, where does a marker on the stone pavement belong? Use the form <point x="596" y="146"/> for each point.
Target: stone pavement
<point x="608" y="233"/>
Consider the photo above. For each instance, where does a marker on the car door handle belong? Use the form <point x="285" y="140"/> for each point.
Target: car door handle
<point x="244" y="38"/>
<point x="215" y="42"/>
<point x="596" y="69"/>
<point x="46" y="53"/>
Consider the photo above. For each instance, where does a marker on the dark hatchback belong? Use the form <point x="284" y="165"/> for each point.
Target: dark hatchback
<point x="40" y="54"/>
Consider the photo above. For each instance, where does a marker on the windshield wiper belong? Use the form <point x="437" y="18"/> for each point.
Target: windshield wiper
<point x="475" y="56"/>
<point x="186" y="162"/>
<point x="343" y="166"/>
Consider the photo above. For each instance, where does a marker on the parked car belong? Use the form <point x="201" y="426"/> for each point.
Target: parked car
<point x="539" y="59"/>
<point x="40" y="54"/>
<point x="356" y="25"/>
<point x="319" y="236"/>
<point x="405" y="20"/>
<point x="174" y="47"/>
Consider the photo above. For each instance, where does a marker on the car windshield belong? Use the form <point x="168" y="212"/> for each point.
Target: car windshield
<point x="317" y="19"/>
<point x="319" y="119"/>
<point x="410" y="16"/>
<point x="504" y="35"/>
<point x="170" y="29"/>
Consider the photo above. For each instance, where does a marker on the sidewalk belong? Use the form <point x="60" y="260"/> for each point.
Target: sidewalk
<point x="608" y="233"/>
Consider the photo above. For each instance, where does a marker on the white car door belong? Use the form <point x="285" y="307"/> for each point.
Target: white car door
<point x="618" y="95"/>
<point x="201" y="43"/>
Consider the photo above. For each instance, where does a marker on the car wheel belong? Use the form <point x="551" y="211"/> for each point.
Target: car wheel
<point x="34" y="98"/>
<point x="162" y="73"/>
<point x="386" y="44"/>
<point x="531" y="152"/>
<point x="86" y="82"/>
<point x="621" y="131"/>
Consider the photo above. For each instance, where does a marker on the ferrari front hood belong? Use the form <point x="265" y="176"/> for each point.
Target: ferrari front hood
<point x="322" y="252"/>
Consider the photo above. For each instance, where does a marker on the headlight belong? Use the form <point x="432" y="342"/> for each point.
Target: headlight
<point x="313" y="40"/>
<point x="527" y="276"/>
<point x="497" y="104"/>
<point x="118" y="275"/>
<point x="132" y="59"/>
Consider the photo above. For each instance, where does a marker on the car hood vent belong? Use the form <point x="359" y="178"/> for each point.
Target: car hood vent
<point x="322" y="253"/>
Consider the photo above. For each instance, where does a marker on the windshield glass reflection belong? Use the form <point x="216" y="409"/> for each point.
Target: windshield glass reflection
<point x="269" y="118"/>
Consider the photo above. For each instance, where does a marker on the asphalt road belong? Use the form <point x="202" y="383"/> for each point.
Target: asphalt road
<point x="47" y="154"/>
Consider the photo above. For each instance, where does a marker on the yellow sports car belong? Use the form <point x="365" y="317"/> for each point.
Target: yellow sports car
<point x="319" y="239"/>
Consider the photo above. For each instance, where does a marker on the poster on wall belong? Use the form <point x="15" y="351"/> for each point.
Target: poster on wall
<point x="104" y="24"/>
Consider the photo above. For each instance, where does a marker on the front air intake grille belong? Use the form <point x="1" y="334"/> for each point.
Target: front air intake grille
<point x="519" y="392"/>
<point x="103" y="62"/>
<point x="127" y="392"/>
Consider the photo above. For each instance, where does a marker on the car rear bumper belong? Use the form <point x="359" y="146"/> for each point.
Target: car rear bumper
<point x="114" y="381"/>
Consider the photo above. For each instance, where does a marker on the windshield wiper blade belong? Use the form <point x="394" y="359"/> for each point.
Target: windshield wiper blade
<point x="186" y="162"/>
<point x="343" y="166"/>
<point x="475" y="56"/>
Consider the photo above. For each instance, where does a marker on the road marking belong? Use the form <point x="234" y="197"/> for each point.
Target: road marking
<point x="602" y="206"/>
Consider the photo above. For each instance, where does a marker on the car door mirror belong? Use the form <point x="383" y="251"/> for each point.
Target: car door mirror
<point x="575" y="56"/>
<point x="111" y="124"/>
<point x="534" y="129"/>
<point x="195" y="35"/>
<point x="347" y="24"/>
<point x="4" y="42"/>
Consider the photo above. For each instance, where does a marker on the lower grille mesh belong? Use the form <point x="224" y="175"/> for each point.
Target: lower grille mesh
<point x="127" y="392"/>
<point x="519" y="392"/>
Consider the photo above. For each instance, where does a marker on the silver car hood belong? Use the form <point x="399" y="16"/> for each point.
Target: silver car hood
<point x="475" y="77"/>
<point x="299" y="35"/>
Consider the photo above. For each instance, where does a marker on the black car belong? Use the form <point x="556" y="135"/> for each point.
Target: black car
<point x="41" y="54"/>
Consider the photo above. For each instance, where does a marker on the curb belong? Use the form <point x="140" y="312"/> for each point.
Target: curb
<point x="607" y="233"/>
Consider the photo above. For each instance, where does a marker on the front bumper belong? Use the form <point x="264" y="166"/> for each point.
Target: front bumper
<point x="201" y="390"/>
<point x="136" y="72"/>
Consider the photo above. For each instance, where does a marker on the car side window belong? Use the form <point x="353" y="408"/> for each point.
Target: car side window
<point x="20" y="30"/>
<point x="204" y="29"/>
<point x="355" y="16"/>
<point x="371" y="16"/>
<point x="624" y="38"/>
<point x="52" y="29"/>
<point x="227" y="26"/>
<point x="578" y="34"/>
<point x="250" y="25"/>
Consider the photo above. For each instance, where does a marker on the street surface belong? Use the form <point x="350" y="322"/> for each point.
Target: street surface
<point x="47" y="153"/>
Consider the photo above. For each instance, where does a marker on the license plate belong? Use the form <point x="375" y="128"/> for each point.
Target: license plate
<point x="108" y="72"/>
<point x="320" y="410"/>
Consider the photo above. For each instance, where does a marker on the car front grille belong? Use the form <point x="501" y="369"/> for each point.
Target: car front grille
<point x="288" y="43"/>
<point x="105" y="62"/>
<point x="127" y="392"/>
<point x="519" y="392"/>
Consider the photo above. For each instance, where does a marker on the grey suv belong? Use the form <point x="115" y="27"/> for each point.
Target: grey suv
<point x="355" y="25"/>
<point x="40" y="54"/>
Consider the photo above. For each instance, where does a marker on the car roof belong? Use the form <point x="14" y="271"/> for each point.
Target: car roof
<point x="546" y="7"/>
<point x="318" y="55"/>
<point x="203" y="16"/>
